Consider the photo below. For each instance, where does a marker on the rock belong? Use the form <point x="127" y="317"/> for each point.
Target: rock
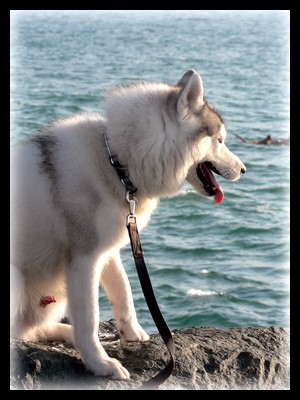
<point x="206" y="358"/>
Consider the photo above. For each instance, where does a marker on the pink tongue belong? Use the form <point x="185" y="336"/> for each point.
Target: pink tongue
<point x="218" y="192"/>
<point x="219" y="195"/>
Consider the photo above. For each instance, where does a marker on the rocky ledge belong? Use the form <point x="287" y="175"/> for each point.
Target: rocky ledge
<point x="206" y="359"/>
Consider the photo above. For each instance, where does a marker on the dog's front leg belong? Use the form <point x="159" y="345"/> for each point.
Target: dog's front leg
<point x="83" y="285"/>
<point x="116" y="284"/>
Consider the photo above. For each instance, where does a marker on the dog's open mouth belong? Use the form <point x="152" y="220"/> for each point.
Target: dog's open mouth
<point x="204" y="173"/>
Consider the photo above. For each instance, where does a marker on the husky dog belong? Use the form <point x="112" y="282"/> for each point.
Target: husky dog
<point x="68" y="206"/>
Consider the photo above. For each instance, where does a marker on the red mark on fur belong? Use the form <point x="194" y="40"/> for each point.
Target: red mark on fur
<point x="45" y="300"/>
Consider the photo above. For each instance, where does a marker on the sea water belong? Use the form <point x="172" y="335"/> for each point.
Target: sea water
<point x="220" y="266"/>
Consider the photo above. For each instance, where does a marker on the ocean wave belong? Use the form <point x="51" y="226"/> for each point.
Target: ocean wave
<point x="199" y="293"/>
<point x="185" y="191"/>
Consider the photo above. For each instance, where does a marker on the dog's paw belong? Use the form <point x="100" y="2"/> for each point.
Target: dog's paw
<point x="110" y="367"/>
<point x="133" y="332"/>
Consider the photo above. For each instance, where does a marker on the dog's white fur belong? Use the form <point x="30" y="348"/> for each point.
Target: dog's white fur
<point x="69" y="210"/>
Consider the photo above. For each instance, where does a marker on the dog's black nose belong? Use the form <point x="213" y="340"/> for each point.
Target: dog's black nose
<point x="243" y="170"/>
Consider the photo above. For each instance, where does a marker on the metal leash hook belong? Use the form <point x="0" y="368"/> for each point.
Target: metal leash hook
<point x="132" y="200"/>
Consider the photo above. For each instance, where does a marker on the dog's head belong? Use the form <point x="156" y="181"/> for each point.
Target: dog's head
<point x="207" y="133"/>
<point x="166" y="134"/>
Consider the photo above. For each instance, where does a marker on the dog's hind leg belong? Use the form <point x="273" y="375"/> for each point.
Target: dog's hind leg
<point x="30" y="321"/>
<point x="116" y="284"/>
<point x="50" y="331"/>
<point x="56" y="332"/>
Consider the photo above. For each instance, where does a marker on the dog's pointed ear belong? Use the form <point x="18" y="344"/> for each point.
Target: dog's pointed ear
<point x="184" y="80"/>
<point x="191" y="96"/>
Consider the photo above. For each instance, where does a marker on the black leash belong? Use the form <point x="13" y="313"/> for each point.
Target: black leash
<point x="143" y="274"/>
<point x="150" y="298"/>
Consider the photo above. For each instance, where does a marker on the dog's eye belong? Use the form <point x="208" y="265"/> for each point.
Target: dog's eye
<point x="220" y="140"/>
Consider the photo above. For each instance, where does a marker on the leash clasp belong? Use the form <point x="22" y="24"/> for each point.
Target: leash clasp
<point x="132" y="200"/>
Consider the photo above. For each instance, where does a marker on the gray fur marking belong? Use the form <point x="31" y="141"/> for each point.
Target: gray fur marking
<point x="211" y="120"/>
<point x="81" y="231"/>
<point x="46" y="144"/>
<point x="171" y="103"/>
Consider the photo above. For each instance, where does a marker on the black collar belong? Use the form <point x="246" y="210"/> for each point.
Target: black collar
<point x="120" y="169"/>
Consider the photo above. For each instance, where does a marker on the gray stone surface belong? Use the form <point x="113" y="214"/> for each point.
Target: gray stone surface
<point x="206" y="359"/>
